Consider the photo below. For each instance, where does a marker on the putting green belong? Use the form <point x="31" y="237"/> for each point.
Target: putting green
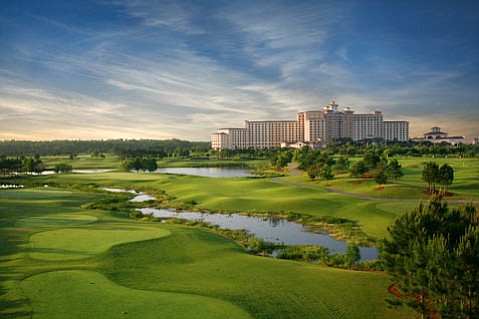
<point x="87" y="294"/>
<point x="58" y="220"/>
<point x="77" y="243"/>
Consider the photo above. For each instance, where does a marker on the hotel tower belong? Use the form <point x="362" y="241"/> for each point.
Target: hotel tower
<point x="311" y="128"/>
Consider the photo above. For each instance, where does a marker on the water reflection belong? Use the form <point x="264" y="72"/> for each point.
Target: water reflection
<point x="141" y="197"/>
<point x="215" y="172"/>
<point x="272" y="229"/>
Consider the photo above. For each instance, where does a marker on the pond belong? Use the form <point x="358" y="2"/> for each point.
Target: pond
<point x="215" y="172"/>
<point x="140" y="197"/>
<point x="270" y="229"/>
<point x="80" y="171"/>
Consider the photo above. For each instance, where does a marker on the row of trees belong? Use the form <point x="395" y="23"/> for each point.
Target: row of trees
<point x="395" y="148"/>
<point x="18" y="165"/>
<point x="432" y="174"/>
<point x="433" y="253"/>
<point x="140" y="164"/>
<point x="174" y="148"/>
<point x="117" y="147"/>
<point x="320" y="164"/>
<point x="379" y="167"/>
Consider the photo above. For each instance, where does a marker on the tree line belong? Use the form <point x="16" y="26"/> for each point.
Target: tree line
<point x="21" y="164"/>
<point x="174" y="147"/>
<point x="118" y="147"/>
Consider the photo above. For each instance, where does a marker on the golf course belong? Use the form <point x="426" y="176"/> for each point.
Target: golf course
<point x="63" y="257"/>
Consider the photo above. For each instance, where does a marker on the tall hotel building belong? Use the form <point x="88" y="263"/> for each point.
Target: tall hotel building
<point x="311" y="127"/>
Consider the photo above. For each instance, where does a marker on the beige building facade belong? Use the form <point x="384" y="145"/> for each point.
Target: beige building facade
<point x="322" y="127"/>
<point x="230" y="138"/>
<point x="396" y="130"/>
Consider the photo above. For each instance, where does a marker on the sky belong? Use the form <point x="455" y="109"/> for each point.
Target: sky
<point x="145" y="69"/>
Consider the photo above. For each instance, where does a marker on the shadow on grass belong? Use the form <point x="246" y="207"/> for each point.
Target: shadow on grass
<point x="12" y="306"/>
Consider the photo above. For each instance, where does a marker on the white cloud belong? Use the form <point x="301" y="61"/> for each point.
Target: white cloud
<point x="173" y="15"/>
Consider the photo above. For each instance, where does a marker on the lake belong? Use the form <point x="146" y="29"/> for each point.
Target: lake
<point x="215" y="172"/>
<point x="140" y="197"/>
<point x="80" y="171"/>
<point x="270" y="229"/>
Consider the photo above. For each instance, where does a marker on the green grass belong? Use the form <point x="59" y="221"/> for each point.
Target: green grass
<point x="187" y="162"/>
<point x="63" y="220"/>
<point x="83" y="161"/>
<point x="77" y="243"/>
<point x="197" y="262"/>
<point x="87" y="294"/>
<point x="51" y="249"/>
<point x="303" y="196"/>
<point x="410" y="186"/>
<point x="178" y="272"/>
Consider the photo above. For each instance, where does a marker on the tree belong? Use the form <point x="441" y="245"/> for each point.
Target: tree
<point x="358" y="169"/>
<point x="433" y="253"/>
<point x="28" y="165"/>
<point x="342" y="164"/>
<point x="62" y="168"/>
<point x="325" y="172"/>
<point x="393" y="170"/>
<point x="380" y="176"/>
<point x="445" y="176"/>
<point x="352" y="255"/>
<point x="430" y="175"/>
<point x="149" y="164"/>
<point x="281" y="159"/>
<point x="371" y="159"/>
<point x="313" y="172"/>
<point x="38" y="166"/>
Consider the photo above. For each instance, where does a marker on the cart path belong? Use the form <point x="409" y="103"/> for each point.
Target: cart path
<point x="293" y="170"/>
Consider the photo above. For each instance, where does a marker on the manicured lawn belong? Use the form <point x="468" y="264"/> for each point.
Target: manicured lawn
<point x="198" y="262"/>
<point x="83" y="161"/>
<point x="410" y="186"/>
<point x="158" y="270"/>
<point x="77" y="243"/>
<point x="187" y="162"/>
<point x="244" y="195"/>
<point x="87" y="294"/>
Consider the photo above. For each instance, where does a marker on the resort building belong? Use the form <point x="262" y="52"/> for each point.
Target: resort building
<point x="230" y="138"/>
<point x="437" y="136"/>
<point x="396" y="130"/>
<point x="312" y="128"/>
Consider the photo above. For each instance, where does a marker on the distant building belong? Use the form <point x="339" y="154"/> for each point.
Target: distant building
<point x="437" y="136"/>
<point x="313" y="128"/>
<point x="396" y="130"/>
<point x="230" y="138"/>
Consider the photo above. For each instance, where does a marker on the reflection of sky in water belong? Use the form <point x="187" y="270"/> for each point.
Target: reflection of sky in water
<point x="270" y="229"/>
<point x="81" y="171"/>
<point x="215" y="172"/>
<point x="142" y="197"/>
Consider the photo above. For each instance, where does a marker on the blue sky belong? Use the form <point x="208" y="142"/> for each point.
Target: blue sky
<point x="181" y="69"/>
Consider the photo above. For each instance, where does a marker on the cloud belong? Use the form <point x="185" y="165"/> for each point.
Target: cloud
<point x="173" y="15"/>
<point x="162" y="64"/>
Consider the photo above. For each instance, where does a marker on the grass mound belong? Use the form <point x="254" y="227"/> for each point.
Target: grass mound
<point x="59" y="220"/>
<point x="77" y="243"/>
<point x="87" y="294"/>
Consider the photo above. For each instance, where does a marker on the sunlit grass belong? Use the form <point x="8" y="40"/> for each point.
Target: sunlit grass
<point x="187" y="273"/>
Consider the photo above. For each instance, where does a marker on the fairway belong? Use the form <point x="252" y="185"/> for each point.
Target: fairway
<point x="86" y="294"/>
<point x="57" y="220"/>
<point x="72" y="263"/>
<point x="76" y="243"/>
